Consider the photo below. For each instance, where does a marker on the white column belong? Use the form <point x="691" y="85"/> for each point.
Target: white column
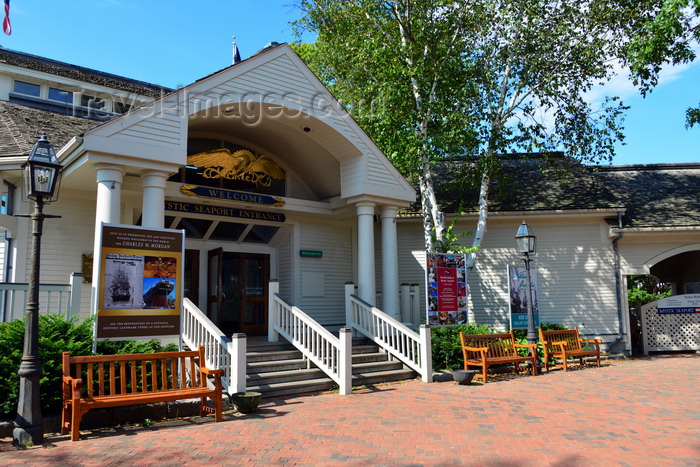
<point x="108" y="210"/>
<point x="109" y="190"/>
<point x="153" y="212"/>
<point x="365" y="252"/>
<point x="390" y="263"/>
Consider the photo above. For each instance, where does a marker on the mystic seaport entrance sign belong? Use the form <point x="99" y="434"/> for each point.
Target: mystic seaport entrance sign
<point x="224" y="212"/>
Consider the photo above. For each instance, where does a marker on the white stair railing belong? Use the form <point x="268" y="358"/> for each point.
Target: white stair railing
<point x="331" y="354"/>
<point x="53" y="298"/>
<point x="219" y="350"/>
<point x="412" y="348"/>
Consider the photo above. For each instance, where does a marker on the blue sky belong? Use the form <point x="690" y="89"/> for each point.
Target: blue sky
<point x="173" y="43"/>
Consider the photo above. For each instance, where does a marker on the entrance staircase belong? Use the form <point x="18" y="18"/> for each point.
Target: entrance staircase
<point x="278" y="369"/>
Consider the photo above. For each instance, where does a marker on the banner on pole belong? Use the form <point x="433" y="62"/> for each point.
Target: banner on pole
<point x="445" y="277"/>
<point x="517" y="284"/>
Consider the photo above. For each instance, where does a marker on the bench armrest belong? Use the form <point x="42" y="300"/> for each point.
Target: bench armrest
<point x="213" y="372"/>
<point x="525" y="346"/>
<point x="72" y="387"/>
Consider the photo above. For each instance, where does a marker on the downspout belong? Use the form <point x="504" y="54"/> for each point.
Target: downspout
<point x="618" y="282"/>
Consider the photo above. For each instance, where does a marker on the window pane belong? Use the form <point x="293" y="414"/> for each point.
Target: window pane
<point x="261" y="234"/>
<point x="194" y="228"/>
<point x="227" y="231"/>
<point x="59" y="95"/>
<point x="30" y="89"/>
<point x="92" y="102"/>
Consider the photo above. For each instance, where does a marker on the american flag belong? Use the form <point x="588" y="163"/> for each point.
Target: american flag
<point x="6" y="26"/>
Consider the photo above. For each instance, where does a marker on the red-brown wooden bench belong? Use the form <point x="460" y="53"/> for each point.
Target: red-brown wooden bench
<point x="99" y="381"/>
<point x="485" y="350"/>
<point x="565" y="344"/>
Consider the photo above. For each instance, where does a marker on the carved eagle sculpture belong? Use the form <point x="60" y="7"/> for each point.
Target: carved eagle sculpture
<point x="240" y="165"/>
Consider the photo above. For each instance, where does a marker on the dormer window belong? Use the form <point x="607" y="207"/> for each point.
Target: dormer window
<point x="92" y="102"/>
<point x="61" y="95"/>
<point x="30" y="89"/>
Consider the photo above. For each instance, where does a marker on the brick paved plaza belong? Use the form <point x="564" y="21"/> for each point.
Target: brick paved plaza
<point x="640" y="412"/>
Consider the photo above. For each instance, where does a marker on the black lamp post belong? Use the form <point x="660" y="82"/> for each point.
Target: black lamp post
<point x="41" y="172"/>
<point x="525" y="242"/>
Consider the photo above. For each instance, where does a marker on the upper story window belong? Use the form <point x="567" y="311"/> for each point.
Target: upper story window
<point x="120" y="107"/>
<point x="61" y="95"/>
<point x="92" y="102"/>
<point x="29" y="89"/>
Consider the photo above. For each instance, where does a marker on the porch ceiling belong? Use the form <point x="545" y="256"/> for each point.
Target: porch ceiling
<point x="307" y="145"/>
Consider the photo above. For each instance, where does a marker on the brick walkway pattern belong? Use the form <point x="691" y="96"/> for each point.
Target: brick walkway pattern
<point x="640" y="412"/>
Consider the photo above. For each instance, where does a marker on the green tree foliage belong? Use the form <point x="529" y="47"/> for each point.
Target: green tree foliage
<point x="643" y="289"/>
<point x="476" y="77"/>
<point x="667" y="37"/>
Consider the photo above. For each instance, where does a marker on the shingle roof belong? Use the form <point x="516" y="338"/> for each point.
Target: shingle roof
<point x="656" y="195"/>
<point x="21" y="127"/>
<point x="87" y="75"/>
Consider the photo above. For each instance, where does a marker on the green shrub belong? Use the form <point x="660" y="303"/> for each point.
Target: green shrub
<point x="56" y="335"/>
<point x="446" y="347"/>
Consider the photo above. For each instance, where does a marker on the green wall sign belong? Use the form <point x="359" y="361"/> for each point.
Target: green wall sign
<point x="310" y="253"/>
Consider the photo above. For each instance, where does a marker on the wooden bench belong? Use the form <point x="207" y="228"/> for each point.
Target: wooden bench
<point x="485" y="350"/>
<point x="565" y="344"/>
<point x="99" y="381"/>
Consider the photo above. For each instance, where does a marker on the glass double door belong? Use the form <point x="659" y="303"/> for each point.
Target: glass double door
<point x="237" y="291"/>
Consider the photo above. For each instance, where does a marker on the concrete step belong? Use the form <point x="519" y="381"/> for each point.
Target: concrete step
<point x="288" y="388"/>
<point x="255" y="379"/>
<point x="267" y="366"/>
<point x="267" y="356"/>
<point x="377" y="377"/>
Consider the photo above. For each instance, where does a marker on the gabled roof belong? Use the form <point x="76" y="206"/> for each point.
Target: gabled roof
<point x="656" y="195"/>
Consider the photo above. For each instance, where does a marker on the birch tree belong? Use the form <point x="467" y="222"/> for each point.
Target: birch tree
<point x="477" y="78"/>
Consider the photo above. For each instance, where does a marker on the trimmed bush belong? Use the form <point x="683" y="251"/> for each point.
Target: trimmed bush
<point x="446" y="347"/>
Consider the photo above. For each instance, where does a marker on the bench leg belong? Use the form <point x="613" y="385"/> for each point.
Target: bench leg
<point x="65" y="419"/>
<point x="564" y="359"/>
<point x="534" y="366"/>
<point x="76" y="416"/>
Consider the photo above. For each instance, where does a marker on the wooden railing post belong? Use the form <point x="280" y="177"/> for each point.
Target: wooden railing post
<point x="426" y="357"/>
<point x="76" y="283"/>
<point x="272" y="290"/>
<point x="349" y="290"/>
<point x="237" y="350"/>
<point x="406" y="311"/>
<point x="345" y="367"/>
<point x="415" y="304"/>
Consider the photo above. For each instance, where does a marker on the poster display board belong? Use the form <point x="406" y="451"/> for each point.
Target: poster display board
<point x="517" y="285"/>
<point x="140" y="282"/>
<point x="446" y="289"/>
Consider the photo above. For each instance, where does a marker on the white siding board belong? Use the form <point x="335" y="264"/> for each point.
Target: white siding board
<point x="572" y="261"/>
<point x="335" y="241"/>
